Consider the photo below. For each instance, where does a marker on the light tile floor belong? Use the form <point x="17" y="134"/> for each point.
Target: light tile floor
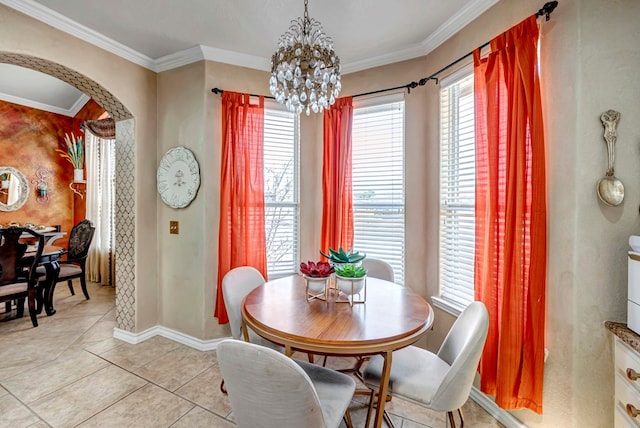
<point x="70" y="371"/>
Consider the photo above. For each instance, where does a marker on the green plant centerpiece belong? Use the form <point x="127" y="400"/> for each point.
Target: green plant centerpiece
<point x="341" y="256"/>
<point x="350" y="270"/>
<point x="350" y="278"/>
<point x="316" y="275"/>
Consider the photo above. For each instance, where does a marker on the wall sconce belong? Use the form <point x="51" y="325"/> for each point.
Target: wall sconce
<point x="41" y="185"/>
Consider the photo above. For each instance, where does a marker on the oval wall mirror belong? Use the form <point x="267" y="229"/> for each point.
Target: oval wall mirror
<point x="14" y="189"/>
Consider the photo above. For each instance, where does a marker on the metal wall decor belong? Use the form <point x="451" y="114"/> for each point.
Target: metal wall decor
<point x="610" y="189"/>
<point x="41" y="185"/>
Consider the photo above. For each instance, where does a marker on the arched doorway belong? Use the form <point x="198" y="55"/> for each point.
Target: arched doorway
<point x="125" y="177"/>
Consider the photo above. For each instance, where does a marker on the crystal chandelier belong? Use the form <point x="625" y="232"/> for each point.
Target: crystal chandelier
<point x="305" y="71"/>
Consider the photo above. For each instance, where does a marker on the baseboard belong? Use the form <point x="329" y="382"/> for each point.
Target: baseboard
<point x="499" y="414"/>
<point x="176" y="336"/>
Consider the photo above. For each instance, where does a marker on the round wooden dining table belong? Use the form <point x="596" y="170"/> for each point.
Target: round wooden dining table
<point x="391" y="317"/>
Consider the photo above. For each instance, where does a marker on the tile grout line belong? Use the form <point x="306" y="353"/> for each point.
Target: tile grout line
<point x="167" y="390"/>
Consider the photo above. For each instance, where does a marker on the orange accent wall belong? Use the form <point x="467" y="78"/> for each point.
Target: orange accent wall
<point x="29" y="139"/>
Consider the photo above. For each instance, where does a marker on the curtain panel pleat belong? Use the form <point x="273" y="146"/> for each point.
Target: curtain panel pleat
<point x="103" y="128"/>
<point x="337" y="200"/>
<point x="511" y="247"/>
<point x="241" y="230"/>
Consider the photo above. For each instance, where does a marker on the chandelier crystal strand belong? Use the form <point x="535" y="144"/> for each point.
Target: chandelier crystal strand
<point x="305" y="70"/>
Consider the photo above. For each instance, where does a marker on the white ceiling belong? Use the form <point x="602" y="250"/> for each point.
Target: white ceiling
<point x="163" y="34"/>
<point x="24" y="86"/>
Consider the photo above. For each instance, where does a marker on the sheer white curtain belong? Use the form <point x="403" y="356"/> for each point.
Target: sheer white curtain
<point x="100" y="159"/>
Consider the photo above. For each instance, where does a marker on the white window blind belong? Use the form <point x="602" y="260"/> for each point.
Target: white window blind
<point x="281" y="191"/>
<point x="378" y="183"/>
<point x="457" y="190"/>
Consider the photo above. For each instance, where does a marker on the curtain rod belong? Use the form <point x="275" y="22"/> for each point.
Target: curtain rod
<point x="544" y="11"/>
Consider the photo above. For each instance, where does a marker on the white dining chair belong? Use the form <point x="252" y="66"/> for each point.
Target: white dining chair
<point x="270" y="390"/>
<point x="441" y="381"/>
<point x="236" y="284"/>
<point x="377" y="268"/>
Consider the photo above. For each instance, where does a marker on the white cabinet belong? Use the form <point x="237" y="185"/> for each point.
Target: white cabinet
<point x="627" y="389"/>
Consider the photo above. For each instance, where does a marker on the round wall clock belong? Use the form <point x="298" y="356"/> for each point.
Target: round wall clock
<point x="178" y="177"/>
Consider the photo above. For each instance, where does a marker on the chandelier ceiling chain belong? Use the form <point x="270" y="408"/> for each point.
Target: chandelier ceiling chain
<point x="305" y="70"/>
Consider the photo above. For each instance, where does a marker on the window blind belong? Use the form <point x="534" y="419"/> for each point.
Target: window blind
<point x="281" y="191"/>
<point x="378" y="183"/>
<point x="457" y="190"/>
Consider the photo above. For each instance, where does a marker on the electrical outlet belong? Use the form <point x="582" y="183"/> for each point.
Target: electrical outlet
<point x="173" y="227"/>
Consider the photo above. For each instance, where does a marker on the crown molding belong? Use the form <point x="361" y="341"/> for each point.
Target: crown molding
<point x="70" y="112"/>
<point x="197" y="53"/>
<point x="80" y="102"/>
<point x="178" y="59"/>
<point x="62" y="23"/>
<point x="236" y="58"/>
<point x="410" y="52"/>
<point x="454" y="24"/>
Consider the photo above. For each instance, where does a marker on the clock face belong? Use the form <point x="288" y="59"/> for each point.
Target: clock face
<point x="178" y="177"/>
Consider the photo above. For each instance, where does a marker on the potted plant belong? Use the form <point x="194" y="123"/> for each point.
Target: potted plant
<point x="75" y="155"/>
<point x="316" y="275"/>
<point x="350" y="278"/>
<point x="341" y="256"/>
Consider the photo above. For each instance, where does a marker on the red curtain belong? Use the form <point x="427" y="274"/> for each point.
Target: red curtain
<point x="337" y="201"/>
<point x="511" y="247"/>
<point x="242" y="239"/>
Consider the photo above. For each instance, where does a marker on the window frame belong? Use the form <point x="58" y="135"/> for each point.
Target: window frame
<point x="272" y="106"/>
<point x="373" y="102"/>
<point x="453" y="306"/>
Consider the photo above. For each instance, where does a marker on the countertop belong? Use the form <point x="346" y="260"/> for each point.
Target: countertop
<point x="624" y="333"/>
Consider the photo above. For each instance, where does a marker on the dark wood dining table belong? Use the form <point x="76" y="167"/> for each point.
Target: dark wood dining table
<point x="391" y="318"/>
<point x="50" y="261"/>
<point x="50" y="235"/>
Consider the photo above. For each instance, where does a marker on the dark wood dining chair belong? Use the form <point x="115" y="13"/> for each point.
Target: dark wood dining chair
<point x="18" y="277"/>
<point x="75" y="264"/>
